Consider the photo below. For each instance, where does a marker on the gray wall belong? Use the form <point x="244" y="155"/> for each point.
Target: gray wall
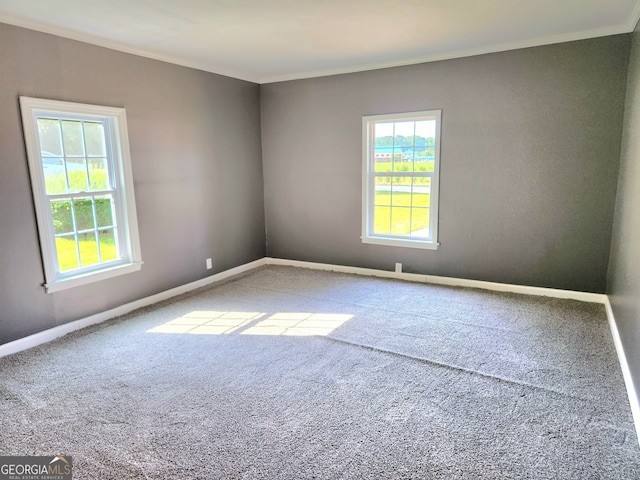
<point x="624" y="268"/>
<point x="195" y="148"/>
<point x="530" y="154"/>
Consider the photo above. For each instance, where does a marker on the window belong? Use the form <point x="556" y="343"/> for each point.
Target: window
<point x="82" y="189"/>
<point x="401" y="157"/>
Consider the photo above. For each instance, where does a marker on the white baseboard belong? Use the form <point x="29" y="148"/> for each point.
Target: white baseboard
<point x="500" y="287"/>
<point x="61" y="330"/>
<point x="56" y="332"/>
<point x="626" y="373"/>
<point x="450" y="281"/>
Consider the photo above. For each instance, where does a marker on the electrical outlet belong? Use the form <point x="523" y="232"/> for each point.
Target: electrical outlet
<point x="398" y="268"/>
<point x="209" y="264"/>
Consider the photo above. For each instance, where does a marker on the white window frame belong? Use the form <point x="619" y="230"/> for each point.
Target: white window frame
<point x="121" y="178"/>
<point x="368" y="182"/>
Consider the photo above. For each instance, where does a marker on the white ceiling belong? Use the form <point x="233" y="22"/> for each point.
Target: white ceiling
<point x="271" y="40"/>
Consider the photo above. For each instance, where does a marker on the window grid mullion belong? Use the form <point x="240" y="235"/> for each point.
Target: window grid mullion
<point x="403" y="174"/>
<point x="413" y="165"/>
<point x="413" y="147"/>
<point x="95" y="228"/>
<point x="393" y="150"/>
<point x="411" y="207"/>
<point x="63" y="196"/>
<point x="372" y="181"/>
<point x="390" y="208"/>
<point x="393" y="167"/>
<point x="75" y="232"/>
<point x="64" y="157"/>
<point x="86" y="160"/>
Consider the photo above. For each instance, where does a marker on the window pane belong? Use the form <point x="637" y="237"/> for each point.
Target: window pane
<point x="420" y="222"/>
<point x="383" y="162"/>
<point x="420" y="199"/>
<point x="55" y="180"/>
<point x="423" y="164"/>
<point x="383" y="146"/>
<point x="49" y="133"/>
<point x="84" y="214"/>
<point x="410" y="154"/>
<point x="383" y="191"/>
<point x="401" y="193"/>
<point x="383" y="133"/>
<point x="61" y="216"/>
<point x="402" y="161"/>
<point x="382" y="220"/>
<point x="108" y="250"/>
<point x="402" y="181"/>
<point x="426" y="128"/>
<point x="104" y="211"/>
<point x="72" y="138"/>
<point x="425" y="139"/>
<point x="404" y="132"/>
<point x="94" y="139"/>
<point x="421" y="195"/>
<point x="88" y="249"/>
<point x="400" y="220"/>
<point x="98" y="175"/>
<point x="422" y="182"/>
<point x="67" y="253"/>
<point x="77" y="174"/>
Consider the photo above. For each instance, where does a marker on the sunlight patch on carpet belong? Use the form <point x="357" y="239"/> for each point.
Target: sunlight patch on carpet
<point x="296" y="324"/>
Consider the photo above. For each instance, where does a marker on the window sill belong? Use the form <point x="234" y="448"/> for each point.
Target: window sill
<point x="86" y="278"/>
<point x="397" y="242"/>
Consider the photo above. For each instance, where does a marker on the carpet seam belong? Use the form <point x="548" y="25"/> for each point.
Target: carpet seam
<point x="451" y="367"/>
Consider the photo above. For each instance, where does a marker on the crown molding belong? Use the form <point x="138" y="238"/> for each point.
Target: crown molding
<point x="627" y="27"/>
<point x="634" y="17"/>
<point x="436" y="57"/>
<point x="121" y="47"/>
